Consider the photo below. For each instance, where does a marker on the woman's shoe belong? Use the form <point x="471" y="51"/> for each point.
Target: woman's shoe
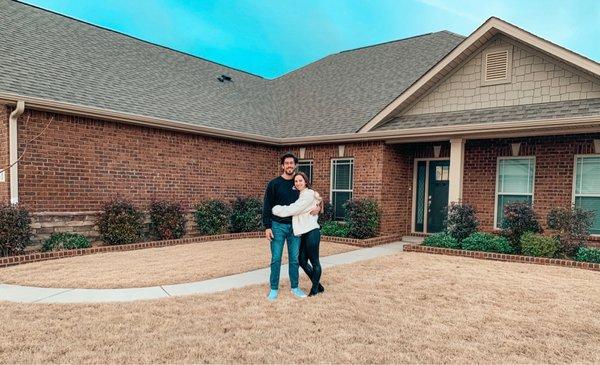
<point x="321" y="289"/>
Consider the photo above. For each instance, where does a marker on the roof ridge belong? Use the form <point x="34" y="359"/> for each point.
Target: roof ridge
<point x="398" y="40"/>
<point x="136" y="39"/>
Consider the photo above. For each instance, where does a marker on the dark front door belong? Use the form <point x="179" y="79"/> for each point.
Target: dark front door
<point x="437" y="200"/>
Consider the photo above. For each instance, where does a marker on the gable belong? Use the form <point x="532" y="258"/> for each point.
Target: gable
<point x="533" y="78"/>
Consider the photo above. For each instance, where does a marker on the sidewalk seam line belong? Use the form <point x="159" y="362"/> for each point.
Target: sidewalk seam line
<point x="166" y="292"/>
<point x="53" y="295"/>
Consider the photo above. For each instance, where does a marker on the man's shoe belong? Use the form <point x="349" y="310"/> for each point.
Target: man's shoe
<point x="298" y="293"/>
<point x="273" y="294"/>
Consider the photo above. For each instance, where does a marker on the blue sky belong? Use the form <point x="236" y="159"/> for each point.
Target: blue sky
<point x="270" y="38"/>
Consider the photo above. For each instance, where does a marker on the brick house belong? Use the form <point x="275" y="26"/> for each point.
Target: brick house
<point x="499" y="116"/>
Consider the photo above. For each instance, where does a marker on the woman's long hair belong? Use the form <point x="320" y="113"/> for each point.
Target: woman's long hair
<point x="309" y="186"/>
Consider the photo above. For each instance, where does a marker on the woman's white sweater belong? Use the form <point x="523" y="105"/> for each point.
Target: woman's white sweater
<point x="302" y="220"/>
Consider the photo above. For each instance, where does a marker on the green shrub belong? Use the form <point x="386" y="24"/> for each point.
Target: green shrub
<point x="588" y="254"/>
<point x="120" y="223"/>
<point x="533" y="244"/>
<point x="65" y="241"/>
<point x="441" y="240"/>
<point x="327" y="215"/>
<point x="15" y="229"/>
<point x="572" y="226"/>
<point x="167" y="220"/>
<point x="246" y="215"/>
<point x="212" y="217"/>
<point x="362" y="218"/>
<point x="486" y="242"/>
<point x="519" y="218"/>
<point x="335" y="229"/>
<point x="461" y="221"/>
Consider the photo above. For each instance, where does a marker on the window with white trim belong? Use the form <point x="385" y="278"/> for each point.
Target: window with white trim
<point x="587" y="187"/>
<point x="514" y="183"/>
<point x="306" y="166"/>
<point x="342" y="175"/>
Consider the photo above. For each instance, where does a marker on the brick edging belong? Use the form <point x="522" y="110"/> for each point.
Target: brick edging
<point x="43" y="256"/>
<point x="503" y="257"/>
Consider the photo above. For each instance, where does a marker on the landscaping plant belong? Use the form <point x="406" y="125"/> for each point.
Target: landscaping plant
<point x="212" y="217"/>
<point x="362" y="218"/>
<point x="487" y="242"/>
<point x="65" y="241"/>
<point x="572" y="226"/>
<point x="441" y="240"/>
<point x="327" y="215"/>
<point x="15" y="229"/>
<point x="533" y="244"/>
<point x="588" y="254"/>
<point x="167" y="220"/>
<point x="335" y="229"/>
<point x="519" y="218"/>
<point x="246" y="215"/>
<point x="120" y="223"/>
<point x="461" y="221"/>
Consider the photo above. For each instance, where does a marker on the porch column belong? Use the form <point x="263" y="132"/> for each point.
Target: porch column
<point x="457" y="163"/>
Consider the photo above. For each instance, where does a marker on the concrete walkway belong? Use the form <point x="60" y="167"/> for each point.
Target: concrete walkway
<point x="29" y="294"/>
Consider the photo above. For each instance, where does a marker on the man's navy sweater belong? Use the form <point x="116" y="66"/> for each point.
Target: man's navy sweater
<point x="279" y="192"/>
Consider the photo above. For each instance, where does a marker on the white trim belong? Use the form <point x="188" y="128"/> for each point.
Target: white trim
<point x="331" y="178"/>
<point x="574" y="185"/>
<point x="491" y="26"/>
<point x="414" y="193"/>
<point x="532" y="194"/>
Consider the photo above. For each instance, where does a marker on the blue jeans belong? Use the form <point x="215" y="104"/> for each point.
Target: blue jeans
<point x="281" y="233"/>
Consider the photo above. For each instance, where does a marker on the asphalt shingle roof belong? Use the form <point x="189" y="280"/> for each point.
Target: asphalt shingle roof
<point x="46" y="55"/>
<point x="552" y="110"/>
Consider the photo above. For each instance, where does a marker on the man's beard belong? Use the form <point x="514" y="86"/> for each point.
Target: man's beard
<point x="288" y="172"/>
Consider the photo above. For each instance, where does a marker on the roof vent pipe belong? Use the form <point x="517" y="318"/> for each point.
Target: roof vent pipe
<point x="12" y="153"/>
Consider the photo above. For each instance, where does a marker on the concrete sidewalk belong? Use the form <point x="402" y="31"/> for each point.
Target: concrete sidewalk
<point x="29" y="294"/>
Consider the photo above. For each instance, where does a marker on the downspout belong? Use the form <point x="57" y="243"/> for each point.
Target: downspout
<point x="13" y="151"/>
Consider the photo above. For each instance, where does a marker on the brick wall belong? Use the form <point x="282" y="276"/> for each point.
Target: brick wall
<point x="553" y="171"/>
<point x="78" y="163"/>
<point x="535" y="79"/>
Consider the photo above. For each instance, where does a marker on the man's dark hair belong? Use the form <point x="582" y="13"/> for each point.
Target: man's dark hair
<point x="288" y="155"/>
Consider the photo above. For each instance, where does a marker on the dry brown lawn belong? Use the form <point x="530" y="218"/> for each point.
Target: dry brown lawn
<point x="154" y="266"/>
<point x="406" y="308"/>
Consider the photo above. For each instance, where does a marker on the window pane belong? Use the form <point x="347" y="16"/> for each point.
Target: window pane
<point x="593" y="204"/>
<point x="339" y="199"/>
<point x="516" y="176"/>
<point x="506" y="199"/>
<point x="588" y="176"/>
<point x="420" y="198"/>
<point x="343" y="176"/>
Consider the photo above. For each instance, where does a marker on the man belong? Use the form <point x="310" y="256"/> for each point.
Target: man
<point x="281" y="191"/>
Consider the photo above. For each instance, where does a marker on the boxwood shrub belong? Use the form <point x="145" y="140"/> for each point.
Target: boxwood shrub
<point x="167" y="220"/>
<point x="120" y="222"/>
<point x="537" y="245"/>
<point x="15" y="229"/>
<point x="362" y="218"/>
<point x="335" y="229"/>
<point x="441" y="240"/>
<point x="588" y="254"/>
<point x="246" y="215"/>
<point x="65" y="241"/>
<point x="212" y="217"/>
<point x="486" y="242"/>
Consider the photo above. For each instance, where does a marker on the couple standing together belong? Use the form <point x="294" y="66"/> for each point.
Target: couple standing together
<point x="290" y="213"/>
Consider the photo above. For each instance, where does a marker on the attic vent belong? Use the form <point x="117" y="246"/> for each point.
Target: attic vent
<point x="497" y="66"/>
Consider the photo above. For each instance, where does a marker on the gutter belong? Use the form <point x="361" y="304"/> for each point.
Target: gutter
<point x="471" y="131"/>
<point x="13" y="151"/>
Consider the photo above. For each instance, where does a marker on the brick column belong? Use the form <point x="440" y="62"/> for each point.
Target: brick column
<point x="457" y="163"/>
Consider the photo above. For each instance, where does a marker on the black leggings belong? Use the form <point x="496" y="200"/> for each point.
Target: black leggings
<point x="309" y="250"/>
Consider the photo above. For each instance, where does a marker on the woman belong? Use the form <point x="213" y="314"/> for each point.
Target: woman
<point x="305" y="225"/>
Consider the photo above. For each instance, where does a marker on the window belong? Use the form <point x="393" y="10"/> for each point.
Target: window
<point x="587" y="187"/>
<point x="306" y="166"/>
<point x="342" y="174"/>
<point x="514" y="183"/>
